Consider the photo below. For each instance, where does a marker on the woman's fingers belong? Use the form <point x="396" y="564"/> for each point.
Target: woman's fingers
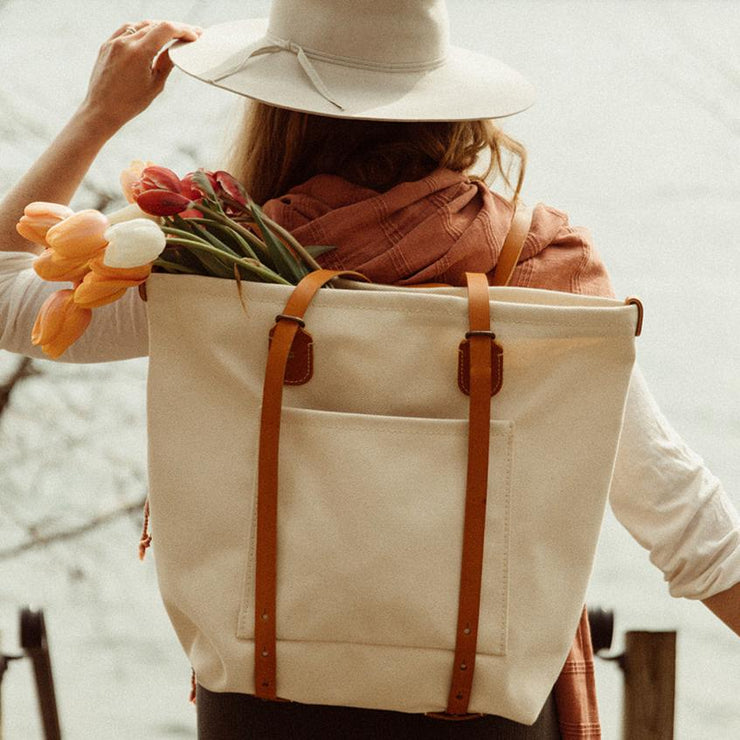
<point x="163" y="66"/>
<point x="132" y="68"/>
<point x="156" y="35"/>
<point x="125" y="29"/>
<point x="157" y="32"/>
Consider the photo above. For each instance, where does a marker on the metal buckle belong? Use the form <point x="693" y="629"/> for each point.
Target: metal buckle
<point x="480" y="333"/>
<point x="288" y="317"/>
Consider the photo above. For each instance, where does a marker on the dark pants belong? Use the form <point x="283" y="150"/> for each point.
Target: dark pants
<point x="239" y="716"/>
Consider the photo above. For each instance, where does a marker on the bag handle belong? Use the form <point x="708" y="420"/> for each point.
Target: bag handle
<point x="286" y="327"/>
<point x="521" y="222"/>
<point x="480" y="338"/>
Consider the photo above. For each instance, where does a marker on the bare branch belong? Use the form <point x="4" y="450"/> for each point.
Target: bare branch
<point x="73" y="532"/>
<point x="24" y="370"/>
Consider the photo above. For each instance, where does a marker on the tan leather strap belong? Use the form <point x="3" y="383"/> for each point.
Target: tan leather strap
<point x="479" y="421"/>
<point x="285" y="329"/>
<point x="513" y="244"/>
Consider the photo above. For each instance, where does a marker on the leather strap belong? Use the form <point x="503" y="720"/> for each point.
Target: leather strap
<point x="480" y="337"/>
<point x="286" y="326"/>
<point x="513" y="244"/>
<point x="479" y="421"/>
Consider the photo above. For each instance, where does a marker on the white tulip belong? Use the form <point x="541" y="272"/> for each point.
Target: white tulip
<point x="133" y="243"/>
<point x="128" y="213"/>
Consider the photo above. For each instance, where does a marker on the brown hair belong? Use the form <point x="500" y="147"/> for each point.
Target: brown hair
<point x="278" y="149"/>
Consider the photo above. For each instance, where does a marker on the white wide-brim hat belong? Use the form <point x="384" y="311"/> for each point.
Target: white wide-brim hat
<point x="387" y="60"/>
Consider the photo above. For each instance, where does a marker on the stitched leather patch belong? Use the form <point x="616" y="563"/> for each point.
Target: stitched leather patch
<point x="300" y="360"/>
<point x="463" y="367"/>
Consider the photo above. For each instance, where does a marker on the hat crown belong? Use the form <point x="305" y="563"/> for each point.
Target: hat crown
<point x="375" y="31"/>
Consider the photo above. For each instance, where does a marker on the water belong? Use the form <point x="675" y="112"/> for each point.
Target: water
<point x="635" y="134"/>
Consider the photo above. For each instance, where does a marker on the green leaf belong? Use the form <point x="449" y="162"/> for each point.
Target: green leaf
<point x="285" y="264"/>
<point x="213" y="265"/>
<point x="316" y="250"/>
<point x="237" y="238"/>
<point x="168" y="266"/>
<point x="204" y="184"/>
<point x="213" y="239"/>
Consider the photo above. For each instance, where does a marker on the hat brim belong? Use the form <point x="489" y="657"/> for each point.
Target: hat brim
<point x="468" y="86"/>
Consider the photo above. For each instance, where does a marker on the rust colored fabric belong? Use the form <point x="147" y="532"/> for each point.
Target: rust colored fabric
<point x="435" y="230"/>
<point x="575" y="689"/>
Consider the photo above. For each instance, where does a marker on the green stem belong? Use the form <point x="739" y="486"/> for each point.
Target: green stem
<point x="249" y="265"/>
<point x="174" y="266"/>
<point x="248" y="235"/>
<point x="184" y="234"/>
<point x="183" y="242"/>
<point x="240" y="239"/>
<point x="294" y="243"/>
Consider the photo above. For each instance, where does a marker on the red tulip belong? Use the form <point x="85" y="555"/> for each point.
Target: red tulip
<point x="162" y="202"/>
<point x="131" y="176"/>
<point x="155" y="178"/>
<point x="160" y="178"/>
<point x="192" y="189"/>
<point x="231" y="186"/>
<point x="190" y="213"/>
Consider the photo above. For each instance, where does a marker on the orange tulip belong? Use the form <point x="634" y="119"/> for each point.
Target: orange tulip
<point x="80" y="236"/>
<point x="60" y="323"/>
<point x="131" y="175"/>
<point x="38" y="218"/>
<point x="131" y="274"/>
<point x="104" y="284"/>
<point x="49" y="266"/>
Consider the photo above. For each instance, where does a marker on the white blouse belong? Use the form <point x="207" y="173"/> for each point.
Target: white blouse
<point x="661" y="492"/>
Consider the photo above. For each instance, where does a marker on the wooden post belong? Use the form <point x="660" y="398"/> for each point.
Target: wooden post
<point x="36" y="647"/>
<point x="2" y="672"/>
<point x="649" y="664"/>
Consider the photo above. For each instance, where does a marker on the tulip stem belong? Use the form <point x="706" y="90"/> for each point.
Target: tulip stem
<point x="174" y="266"/>
<point x="246" y="233"/>
<point x="250" y="265"/>
<point x="292" y="241"/>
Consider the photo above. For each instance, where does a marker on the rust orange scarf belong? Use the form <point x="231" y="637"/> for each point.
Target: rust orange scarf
<point x="433" y="231"/>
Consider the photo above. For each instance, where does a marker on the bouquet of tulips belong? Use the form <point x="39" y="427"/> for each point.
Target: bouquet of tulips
<point x="202" y="224"/>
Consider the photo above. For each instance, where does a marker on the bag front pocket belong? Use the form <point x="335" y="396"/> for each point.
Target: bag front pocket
<point x="370" y="523"/>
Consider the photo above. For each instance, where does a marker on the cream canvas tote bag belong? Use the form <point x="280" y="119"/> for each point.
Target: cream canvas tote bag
<point x="378" y="574"/>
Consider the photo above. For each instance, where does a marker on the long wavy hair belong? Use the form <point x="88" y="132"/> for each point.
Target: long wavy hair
<point x="276" y="149"/>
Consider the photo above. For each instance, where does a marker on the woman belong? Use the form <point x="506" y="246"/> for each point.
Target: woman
<point x="319" y="173"/>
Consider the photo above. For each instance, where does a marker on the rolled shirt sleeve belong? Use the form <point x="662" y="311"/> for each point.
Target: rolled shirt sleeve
<point x="672" y="504"/>
<point x="117" y="331"/>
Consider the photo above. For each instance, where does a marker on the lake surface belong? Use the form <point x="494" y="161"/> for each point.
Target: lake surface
<point x="635" y="134"/>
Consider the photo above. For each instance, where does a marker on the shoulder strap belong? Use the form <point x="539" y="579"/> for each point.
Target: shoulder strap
<point x="513" y="244"/>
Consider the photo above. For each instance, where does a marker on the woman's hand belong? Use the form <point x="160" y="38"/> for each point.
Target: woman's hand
<point x="131" y="70"/>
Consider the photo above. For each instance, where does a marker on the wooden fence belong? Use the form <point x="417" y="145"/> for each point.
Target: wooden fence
<point x="648" y="664"/>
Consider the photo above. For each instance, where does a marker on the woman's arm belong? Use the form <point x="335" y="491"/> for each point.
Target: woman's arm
<point x="676" y="508"/>
<point x="129" y="73"/>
